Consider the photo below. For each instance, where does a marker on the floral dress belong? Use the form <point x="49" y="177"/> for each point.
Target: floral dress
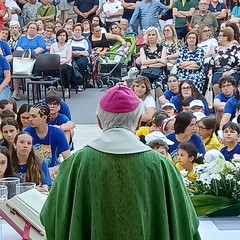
<point x="226" y="60"/>
<point x="196" y="76"/>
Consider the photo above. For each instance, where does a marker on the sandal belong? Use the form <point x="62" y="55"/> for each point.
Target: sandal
<point x="80" y="89"/>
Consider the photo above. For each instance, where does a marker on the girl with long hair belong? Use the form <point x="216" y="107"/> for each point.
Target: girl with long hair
<point x="188" y="90"/>
<point x="6" y="169"/>
<point x="9" y="129"/>
<point x="25" y="161"/>
<point x="23" y="116"/>
<point x="206" y="129"/>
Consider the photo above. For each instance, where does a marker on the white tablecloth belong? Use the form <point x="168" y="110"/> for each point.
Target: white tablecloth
<point x="207" y="229"/>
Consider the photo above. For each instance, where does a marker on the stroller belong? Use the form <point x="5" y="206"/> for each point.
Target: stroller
<point x="114" y="64"/>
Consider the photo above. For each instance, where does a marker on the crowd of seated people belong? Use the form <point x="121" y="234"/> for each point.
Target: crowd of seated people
<point x="191" y="53"/>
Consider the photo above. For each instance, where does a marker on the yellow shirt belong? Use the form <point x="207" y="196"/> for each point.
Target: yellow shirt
<point x="142" y="131"/>
<point x="213" y="143"/>
<point x="191" y="175"/>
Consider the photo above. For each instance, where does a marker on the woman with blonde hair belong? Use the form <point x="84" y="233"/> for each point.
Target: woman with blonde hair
<point x="153" y="57"/>
<point x="141" y="86"/>
<point x="171" y="43"/>
<point x="207" y="42"/>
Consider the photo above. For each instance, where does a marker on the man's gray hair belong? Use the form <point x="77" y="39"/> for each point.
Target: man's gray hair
<point x="120" y="120"/>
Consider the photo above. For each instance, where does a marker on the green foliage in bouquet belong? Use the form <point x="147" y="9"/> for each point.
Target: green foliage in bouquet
<point x="216" y="191"/>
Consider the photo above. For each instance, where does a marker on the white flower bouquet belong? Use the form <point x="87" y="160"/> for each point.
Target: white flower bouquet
<point x="216" y="191"/>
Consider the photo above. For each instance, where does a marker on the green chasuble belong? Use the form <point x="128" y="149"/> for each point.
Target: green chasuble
<point x="105" y="196"/>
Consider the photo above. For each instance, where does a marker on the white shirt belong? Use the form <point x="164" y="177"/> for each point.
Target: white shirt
<point x="148" y="102"/>
<point x="12" y="4"/>
<point x="207" y="46"/>
<point x="112" y="7"/>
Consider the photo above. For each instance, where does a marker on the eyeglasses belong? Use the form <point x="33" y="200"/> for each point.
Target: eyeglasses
<point x="186" y="88"/>
<point x="201" y="128"/>
<point x="53" y="104"/>
<point x="226" y="85"/>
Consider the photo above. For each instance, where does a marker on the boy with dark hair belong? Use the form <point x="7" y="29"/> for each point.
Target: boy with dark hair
<point x="57" y="119"/>
<point x="227" y="84"/>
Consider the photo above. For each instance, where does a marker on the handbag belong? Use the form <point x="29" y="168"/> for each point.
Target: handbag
<point x="23" y="65"/>
<point x="77" y="75"/>
<point x="152" y="73"/>
<point x="209" y="94"/>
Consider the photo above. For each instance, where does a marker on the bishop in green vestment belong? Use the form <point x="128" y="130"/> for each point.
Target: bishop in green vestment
<point x="117" y="188"/>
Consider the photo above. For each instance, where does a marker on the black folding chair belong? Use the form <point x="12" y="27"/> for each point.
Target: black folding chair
<point x="47" y="73"/>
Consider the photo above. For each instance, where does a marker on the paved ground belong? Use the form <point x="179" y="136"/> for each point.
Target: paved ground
<point x="82" y="105"/>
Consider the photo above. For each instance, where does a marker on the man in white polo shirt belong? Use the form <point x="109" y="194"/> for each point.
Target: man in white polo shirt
<point x="113" y="10"/>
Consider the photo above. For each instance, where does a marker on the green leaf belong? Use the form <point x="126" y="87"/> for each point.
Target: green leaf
<point x="207" y="204"/>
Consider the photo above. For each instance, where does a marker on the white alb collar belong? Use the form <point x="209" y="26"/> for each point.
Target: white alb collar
<point x="118" y="141"/>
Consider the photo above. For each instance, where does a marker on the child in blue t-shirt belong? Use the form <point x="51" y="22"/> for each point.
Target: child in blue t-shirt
<point x="24" y="161"/>
<point x="230" y="138"/>
<point x="173" y="89"/>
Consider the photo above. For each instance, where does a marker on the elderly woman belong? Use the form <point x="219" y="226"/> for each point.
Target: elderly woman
<point x="141" y="87"/>
<point x="190" y="62"/>
<point x="153" y="57"/>
<point x="48" y="37"/>
<point x="185" y="127"/>
<point x="30" y="41"/>
<point x="226" y="59"/>
<point x="64" y="50"/>
<point x="207" y="42"/>
<point x="81" y="49"/>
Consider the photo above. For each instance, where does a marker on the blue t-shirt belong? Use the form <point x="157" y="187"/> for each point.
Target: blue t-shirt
<point x="4" y="65"/>
<point x="195" y="139"/>
<point x="169" y="94"/>
<point x="45" y="175"/>
<point x="176" y="101"/>
<point x="47" y="148"/>
<point x="26" y="43"/>
<point x="222" y="97"/>
<point x="231" y="106"/>
<point x="236" y="11"/>
<point x="59" y="120"/>
<point x="229" y="154"/>
<point x="5" y="48"/>
<point x="64" y="109"/>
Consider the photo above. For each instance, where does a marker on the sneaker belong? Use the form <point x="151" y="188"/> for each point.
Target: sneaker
<point x="15" y="95"/>
<point x="66" y="93"/>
